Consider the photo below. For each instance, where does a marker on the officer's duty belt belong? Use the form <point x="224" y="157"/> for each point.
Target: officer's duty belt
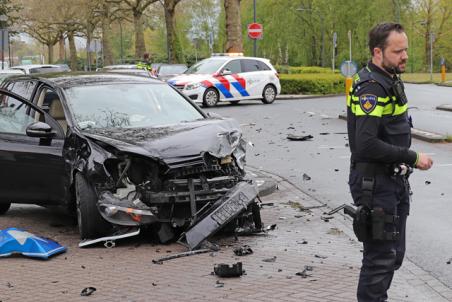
<point x="371" y="169"/>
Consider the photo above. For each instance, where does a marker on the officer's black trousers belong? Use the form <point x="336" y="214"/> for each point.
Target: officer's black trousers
<point x="382" y="257"/>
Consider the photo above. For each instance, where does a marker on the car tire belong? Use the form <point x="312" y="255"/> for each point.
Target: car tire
<point x="91" y="225"/>
<point x="210" y="97"/>
<point x="269" y="94"/>
<point x="4" y="207"/>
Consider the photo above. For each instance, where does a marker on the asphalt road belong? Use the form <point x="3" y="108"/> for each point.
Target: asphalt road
<point x="325" y="159"/>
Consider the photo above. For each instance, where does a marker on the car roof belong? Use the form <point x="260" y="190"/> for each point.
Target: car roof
<point x="30" y="66"/>
<point x="75" y="79"/>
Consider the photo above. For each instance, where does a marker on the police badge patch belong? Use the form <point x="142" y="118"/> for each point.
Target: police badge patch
<point x="368" y="102"/>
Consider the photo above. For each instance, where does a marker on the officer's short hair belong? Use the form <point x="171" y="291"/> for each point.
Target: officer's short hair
<point x="378" y="35"/>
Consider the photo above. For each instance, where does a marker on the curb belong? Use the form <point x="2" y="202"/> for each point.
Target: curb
<point x="265" y="185"/>
<point x="306" y="96"/>
<point x="426" y="136"/>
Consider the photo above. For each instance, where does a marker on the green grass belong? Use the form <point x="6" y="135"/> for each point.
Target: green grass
<point x="425" y="78"/>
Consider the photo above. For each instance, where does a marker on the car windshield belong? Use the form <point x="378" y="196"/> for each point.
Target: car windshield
<point x="206" y="66"/>
<point x="128" y="105"/>
<point x="171" y="69"/>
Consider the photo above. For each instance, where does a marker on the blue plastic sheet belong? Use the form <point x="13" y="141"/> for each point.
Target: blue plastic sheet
<point x="16" y="241"/>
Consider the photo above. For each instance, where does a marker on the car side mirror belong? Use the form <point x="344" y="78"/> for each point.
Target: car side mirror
<point x="40" y="129"/>
<point x="226" y="72"/>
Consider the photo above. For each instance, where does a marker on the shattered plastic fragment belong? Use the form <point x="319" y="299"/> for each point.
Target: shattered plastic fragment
<point x="88" y="291"/>
<point x="243" y="251"/>
<point x="226" y="271"/>
<point x="271" y="227"/>
<point x="293" y="137"/>
<point x="272" y="259"/>
<point x="306" y="177"/>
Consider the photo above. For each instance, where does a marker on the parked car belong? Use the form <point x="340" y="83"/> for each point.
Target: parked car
<point x="131" y="69"/>
<point x="9" y="72"/>
<point x="168" y="71"/>
<point x="122" y="151"/>
<point x="229" y="78"/>
<point x="41" y="68"/>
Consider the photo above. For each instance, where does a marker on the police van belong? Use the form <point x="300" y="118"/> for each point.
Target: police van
<point x="229" y="77"/>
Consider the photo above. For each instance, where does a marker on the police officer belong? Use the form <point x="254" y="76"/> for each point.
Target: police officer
<point x="379" y="134"/>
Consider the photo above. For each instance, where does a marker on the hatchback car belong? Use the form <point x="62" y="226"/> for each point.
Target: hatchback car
<point x="229" y="78"/>
<point x="122" y="151"/>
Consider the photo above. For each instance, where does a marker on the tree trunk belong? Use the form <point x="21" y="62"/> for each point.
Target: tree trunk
<point x="140" y="47"/>
<point x="106" y="44"/>
<point x="173" y="46"/>
<point x="233" y="26"/>
<point x="72" y="50"/>
<point x="88" y="53"/>
<point x="61" y="49"/>
<point x="50" y="53"/>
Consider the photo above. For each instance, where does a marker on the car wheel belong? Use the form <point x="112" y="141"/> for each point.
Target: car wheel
<point x="210" y="97"/>
<point x="91" y="225"/>
<point x="269" y="94"/>
<point x="4" y="207"/>
<point x="234" y="102"/>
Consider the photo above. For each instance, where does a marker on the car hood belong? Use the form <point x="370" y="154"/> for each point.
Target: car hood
<point x="188" y="78"/>
<point x="219" y="137"/>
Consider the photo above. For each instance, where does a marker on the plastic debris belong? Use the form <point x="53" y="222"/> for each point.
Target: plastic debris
<point x="243" y="251"/>
<point x="306" y="177"/>
<point x="293" y="137"/>
<point x="87" y="291"/>
<point x="17" y="241"/>
<point x="272" y="259"/>
<point x="226" y="271"/>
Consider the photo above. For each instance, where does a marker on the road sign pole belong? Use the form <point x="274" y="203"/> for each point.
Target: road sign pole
<point x="350" y="43"/>
<point x="255" y="40"/>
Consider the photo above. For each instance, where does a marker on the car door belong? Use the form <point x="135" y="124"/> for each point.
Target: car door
<point x="32" y="169"/>
<point x="235" y="83"/>
<point x="253" y="77"/>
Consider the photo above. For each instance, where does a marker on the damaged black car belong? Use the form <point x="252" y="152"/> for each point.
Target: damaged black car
<point x="121" y="151"/>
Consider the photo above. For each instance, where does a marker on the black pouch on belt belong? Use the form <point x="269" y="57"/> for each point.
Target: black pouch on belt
<point x="362" y="223"/>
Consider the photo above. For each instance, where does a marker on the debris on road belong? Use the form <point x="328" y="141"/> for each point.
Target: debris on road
<point x="271" y="227"/>
<point x="324" y="133"/>
<point x="227" y="271"/>
<point x="110" y="241"/>
<point x="449" y="261"/>
<point x="180" y="255"/>
<point x="306" y="177"/>
<point x="293" y="137"/>
<point x="243" y="251"/>
<point x="272" y="259"/>
<point x="219" y="284"/>
<point x="87" y="291"/>
<point x="427" y="182"/>
<point x="17" y="241"/>
<point x="326" y="218"/>
<point x="304" y="274"/>
<point x="320" y="256"/>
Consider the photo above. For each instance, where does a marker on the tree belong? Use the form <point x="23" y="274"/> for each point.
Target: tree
<point x="172" y="41"/>
<point x="137" y="8"/>
<point x="233" y="26"/>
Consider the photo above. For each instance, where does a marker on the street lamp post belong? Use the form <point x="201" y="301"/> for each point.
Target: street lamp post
<point x="3" y="19"/>
<point x="322" y="20"/>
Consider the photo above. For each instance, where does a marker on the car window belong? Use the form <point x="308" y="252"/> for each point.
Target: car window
<point x="262" y="65"/>
<point x="250" y="66"/>
<point x="23" y="88"/>
<point x="234" y="66"/>
<point x="15" y="116"/>
<point x="128" y="106"/>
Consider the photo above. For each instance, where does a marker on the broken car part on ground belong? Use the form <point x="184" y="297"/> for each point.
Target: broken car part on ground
<point x="123" y="151"/>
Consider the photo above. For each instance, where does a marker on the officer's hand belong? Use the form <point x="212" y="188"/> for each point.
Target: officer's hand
<point x="424" y="162"/>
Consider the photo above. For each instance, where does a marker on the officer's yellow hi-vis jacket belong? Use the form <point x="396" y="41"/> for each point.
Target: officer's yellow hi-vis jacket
<point x="379" y="128"/>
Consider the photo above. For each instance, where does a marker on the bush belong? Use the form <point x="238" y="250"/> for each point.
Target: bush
<point x="284" y="69"/>
<point x="317" y="83"/>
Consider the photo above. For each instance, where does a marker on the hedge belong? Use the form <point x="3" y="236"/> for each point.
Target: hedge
<point x="316" y="83"/>
<point x="302" y="69"/>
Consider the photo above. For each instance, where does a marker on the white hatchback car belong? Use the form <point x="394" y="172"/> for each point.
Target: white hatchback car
<point x="229" y="78"/>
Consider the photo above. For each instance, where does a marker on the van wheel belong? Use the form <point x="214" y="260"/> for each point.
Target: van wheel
<point x="4" y="207"/>
<point x="210" y="97"/>
<point x="269" y="94"/>
<point x="91" y="225"/>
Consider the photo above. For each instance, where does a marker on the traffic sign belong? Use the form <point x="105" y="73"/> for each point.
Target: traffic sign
<point x="255" y="31"/>
<point x="348" y="68"/>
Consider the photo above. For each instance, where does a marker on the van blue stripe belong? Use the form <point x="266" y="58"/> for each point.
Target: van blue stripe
<point x="240" y="88"/>
<point x="223" y="90"/>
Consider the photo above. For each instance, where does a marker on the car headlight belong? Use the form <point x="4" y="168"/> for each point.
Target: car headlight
<point x="192" y="86"/>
